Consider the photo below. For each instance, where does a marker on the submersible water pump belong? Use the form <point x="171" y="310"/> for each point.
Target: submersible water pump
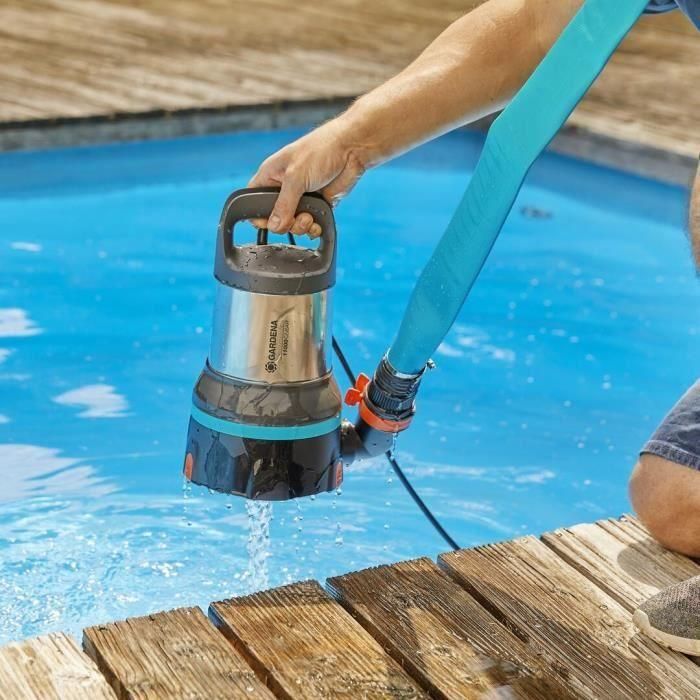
<point x="265" y="420"/>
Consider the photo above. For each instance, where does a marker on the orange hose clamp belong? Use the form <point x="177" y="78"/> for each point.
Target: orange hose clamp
<point x="356" y="396"/>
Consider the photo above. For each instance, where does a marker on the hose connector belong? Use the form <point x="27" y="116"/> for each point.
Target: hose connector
<point x="391" y="396"/>
<point x="386" y="406"/>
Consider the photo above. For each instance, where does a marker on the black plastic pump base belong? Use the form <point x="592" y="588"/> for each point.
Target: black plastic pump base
<point x="264" y="470"/>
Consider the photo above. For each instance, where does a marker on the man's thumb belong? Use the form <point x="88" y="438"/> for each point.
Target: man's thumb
<point x="282" y="216"/>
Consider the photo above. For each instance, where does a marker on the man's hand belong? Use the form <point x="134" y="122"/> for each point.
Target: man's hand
<point x="322" y="161"/>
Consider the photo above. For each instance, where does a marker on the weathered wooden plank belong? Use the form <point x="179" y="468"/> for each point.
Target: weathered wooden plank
<point x="86" y="58"/>
<point x="448" y="641"/>
<point x="310" y="647"/>
<point x="176" y="654"/>
<point x="620" y="557"/>
<point x="584" y="633"/>
<point x="50" y="668"/>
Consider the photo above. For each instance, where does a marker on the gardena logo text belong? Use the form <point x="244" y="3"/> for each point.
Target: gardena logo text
<point x="271" y="365"/>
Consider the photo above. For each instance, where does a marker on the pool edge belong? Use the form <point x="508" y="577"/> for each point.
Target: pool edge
<point x="633" y="157"/>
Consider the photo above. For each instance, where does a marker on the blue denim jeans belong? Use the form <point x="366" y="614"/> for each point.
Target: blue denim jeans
<point x="678" y="437"/>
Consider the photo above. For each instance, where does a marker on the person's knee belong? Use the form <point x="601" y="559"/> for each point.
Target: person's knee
<point x="666" y="498"/>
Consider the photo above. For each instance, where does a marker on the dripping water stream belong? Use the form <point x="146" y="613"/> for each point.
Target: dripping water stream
<point x="258" y="545"/>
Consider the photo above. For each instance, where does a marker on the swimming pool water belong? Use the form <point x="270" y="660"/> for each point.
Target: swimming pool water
<point x="579" y="335"/>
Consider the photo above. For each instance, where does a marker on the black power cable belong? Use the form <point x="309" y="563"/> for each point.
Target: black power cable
<point x="262" y="236"/>
<point x="393" y="462"/>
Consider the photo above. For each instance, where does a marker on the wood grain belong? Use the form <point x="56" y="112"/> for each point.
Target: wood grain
<point x="576" y="627"/>
<point x="100" y="58"/>
<point x="50" y="668"/>
<point x="437" y="631"/>
<point x="309" y="647"/>
<point x="620" y="557"/>
<point x="176" y="654"/>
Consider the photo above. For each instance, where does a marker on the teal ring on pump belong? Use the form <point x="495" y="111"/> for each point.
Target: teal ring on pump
<point x="265" y="432"/>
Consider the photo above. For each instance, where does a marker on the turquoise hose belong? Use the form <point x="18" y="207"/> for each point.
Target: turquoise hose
<point x="513" y="143"/>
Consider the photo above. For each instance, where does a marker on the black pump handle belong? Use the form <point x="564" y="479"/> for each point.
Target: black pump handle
<point x="258" y="203"/>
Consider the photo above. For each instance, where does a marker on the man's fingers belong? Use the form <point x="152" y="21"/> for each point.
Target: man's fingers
<point x="282" y="217"/>
<point x="302" y="224"/>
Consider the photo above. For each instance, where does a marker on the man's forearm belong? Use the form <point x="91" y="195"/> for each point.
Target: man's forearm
<point x="471" y="70"/>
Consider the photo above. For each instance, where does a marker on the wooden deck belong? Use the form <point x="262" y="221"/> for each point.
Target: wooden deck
<point x="532" y="618"/>
<point x="86" y="70"/>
